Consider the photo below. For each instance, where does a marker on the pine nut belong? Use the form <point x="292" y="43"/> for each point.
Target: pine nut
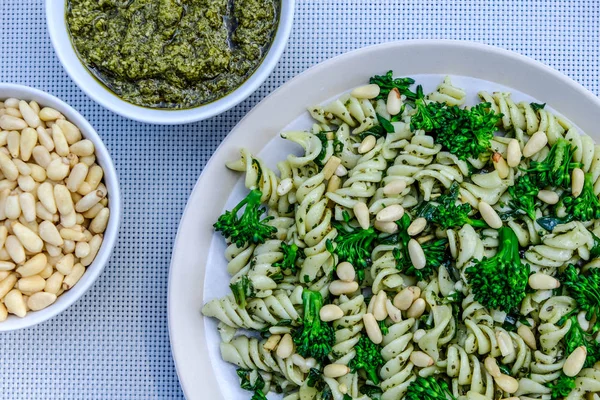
<point x="13" y="112"/>
<point x="58" y="169"/>
<point x="417" y="226"/>
<point x="31" y="284"/>
<point x="79" y="173"/>
<point x="49" y="114"/>
<point x="341" y="171"/>
<point x="100" y="221"/>
<point x="68" y="220"/>
<point x="536" y="142"/>
<point x="513" y="153"/>
<point x="416" y="309"/>
<point x="72" y="234"/>
<point x="28" y="238"/>
<point x="54" y="283"/>
<point x="361" y="211"/>
<point x="94" y="177"/>
<point x="421" y="359"/>
<point x="335" y="370"/>
<point x="37" y="173"/>
<point x="29" y="115"/>
<point x="89" y="200"/>
<point x="577" y="181"/>
<point x="83" y="148"/>
<point x="286" y="346"/>
<point x="47" y="271"/>
<point x="394" y="102"/>
<point x="13" y="143"/>
<point x="337" y="288"/>
<point x="404" y="299"/>
<point x="272" y="342"/>
<point x="45" y="194"/>
<point x="365" y="92"/>
<point x="386" y="227"/>
<point x="95" y="244"/>
<point x="10" y="123"/>
<point x="331" y="166"/>
<point x="69" y="246"/>
<point x="491" y="366"/>
<point x="88" y="160"/>
<point x="3" y="313"/>
<point x="548" y="196"/>
<point x="71" y="132"/>
<point x="27" y="203"/>
<point x="330" y="312"/>
<point x="12" y="207"/>
<point x="65" y="264"/>
<point x="6" y="266"/>
<point x="23" y="167"/>
<point x="300" y="362"/>
<point x="367" y="144"/>
<point x="489" y="215"/>
<point x="416" y="254"/>
<point x="40" y="300"/>
<point x="507" y="383"/>
<point x="527" y="335"/>
<point x="394" y="187"/>
<point x="94" y="211"/>
<point x="11" y="102"/>
<point x="7" y="284"/>
<point x="390" y="213"/>
<point x="34" y="106"/>
<point x="33" y="266"/>
<point x="63" y="199"/>
<point x="41" y="156"/>
<point x="29" y="138"/>
<point x="15" y="304"/>
<point x="345" y="271"/>
<point x="379" y="310"/>
<point x="541" y="281"/>
<point x="15" y="249"/>
<point x="26" y="183"/>
<point x="49" y="233"/>
<point x="82" y="249"/>
<point x="500" y="165"/>
<point x="8" y="168"/>
<point x="575" y="361"/>
<point x="394" y="313"/>
<point x="60" y="142"/>
<point x="372" y="328"/>
<point x="71" y="279"/>
<point x="505" y="343"/>
<point x="43" y="136"/>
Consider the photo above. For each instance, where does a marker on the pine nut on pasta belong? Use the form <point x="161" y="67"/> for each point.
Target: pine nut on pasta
<point x="421" y="359"/>
<point x="527" y="335"/>
<point x="286" y="346"/>
<point x="390" y="213"/>
<point x="394" y="102"/>
<point x="330" y="312"/>
<point x="367" y="144"/>
<point x="548" y="196"/>
<point x="491" y="366"/>
<point x="386" y="227"/>
<point x="335" y="370"/>
<point x="417" y="226"/>
<point x="395" y="187"/>
<point x="507" y="383"/>
<point x="536" y="142"/>
<point x="340" y="287"/>
<point x="272" y="342"/>
<point x="489" y="215"/>
<point x="540" y="281"/>
<point x="417" y="256"/>
<point x="366" y="92"/>
<point x="416" y="309"/>
<point x="500" y="165"/>
<point x="379" y="310"/>
<point x="345" y="271"/>
<point x="577" y="181"/>
<point x="372" y="328"/>
<point x="361" y="211"/>
<point x="404" y="299"/>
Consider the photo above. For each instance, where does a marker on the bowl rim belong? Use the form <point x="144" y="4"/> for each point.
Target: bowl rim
<point x="111" y="233"/>
<point x="60" y="38"/>
<point x="180" y="340"/>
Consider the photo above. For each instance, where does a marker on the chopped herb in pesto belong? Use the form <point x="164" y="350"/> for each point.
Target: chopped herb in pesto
<point x="172" y="53"/>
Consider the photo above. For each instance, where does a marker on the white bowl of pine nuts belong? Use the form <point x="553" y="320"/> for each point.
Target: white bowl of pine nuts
<point x="60" y="206"/>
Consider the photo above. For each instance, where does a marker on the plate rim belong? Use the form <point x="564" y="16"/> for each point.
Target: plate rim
<point x="587" y="96"/>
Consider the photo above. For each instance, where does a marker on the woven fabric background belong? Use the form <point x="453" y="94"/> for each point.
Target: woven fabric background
<point x="114" y="342"/>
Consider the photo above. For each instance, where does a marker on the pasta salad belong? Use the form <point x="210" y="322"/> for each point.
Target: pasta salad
<point x="418" y="248"/>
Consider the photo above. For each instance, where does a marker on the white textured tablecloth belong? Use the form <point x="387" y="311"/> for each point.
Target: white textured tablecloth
<point x="114" y="342"/>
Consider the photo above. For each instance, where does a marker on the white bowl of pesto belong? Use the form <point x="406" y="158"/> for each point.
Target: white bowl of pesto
<point x="169" y="81"/>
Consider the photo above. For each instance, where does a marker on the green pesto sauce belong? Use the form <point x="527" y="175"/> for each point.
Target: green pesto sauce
<point x="172" y="53"/>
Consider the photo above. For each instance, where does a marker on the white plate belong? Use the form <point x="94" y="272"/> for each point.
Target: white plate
<point x="194" y="341"/>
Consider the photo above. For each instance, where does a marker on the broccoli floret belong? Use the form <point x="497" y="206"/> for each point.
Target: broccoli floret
<point x="258" y="395"/>
<point x="242" y="290"/>
<point x="585" y="289"/>
<point x="561" y="387"/>
<point x="465" y="133"/>
<point x="586" y="206"/>
<point x="249" y="228"/>
<point x="430" y="388"/>
<point x="499" y="282"/>
<point x="523" y="194"/>
<point x="368" y="358"/>
<point x="314" y="338"/>
<point x="353" y="244"/>
<point x="556" y="168"/>
<point x="290" y="255"/>
<point x="448" y="214"/>
<point x="251" y="380"/>
<point x="577" y="337"/>
<point x="387" y="82"/>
